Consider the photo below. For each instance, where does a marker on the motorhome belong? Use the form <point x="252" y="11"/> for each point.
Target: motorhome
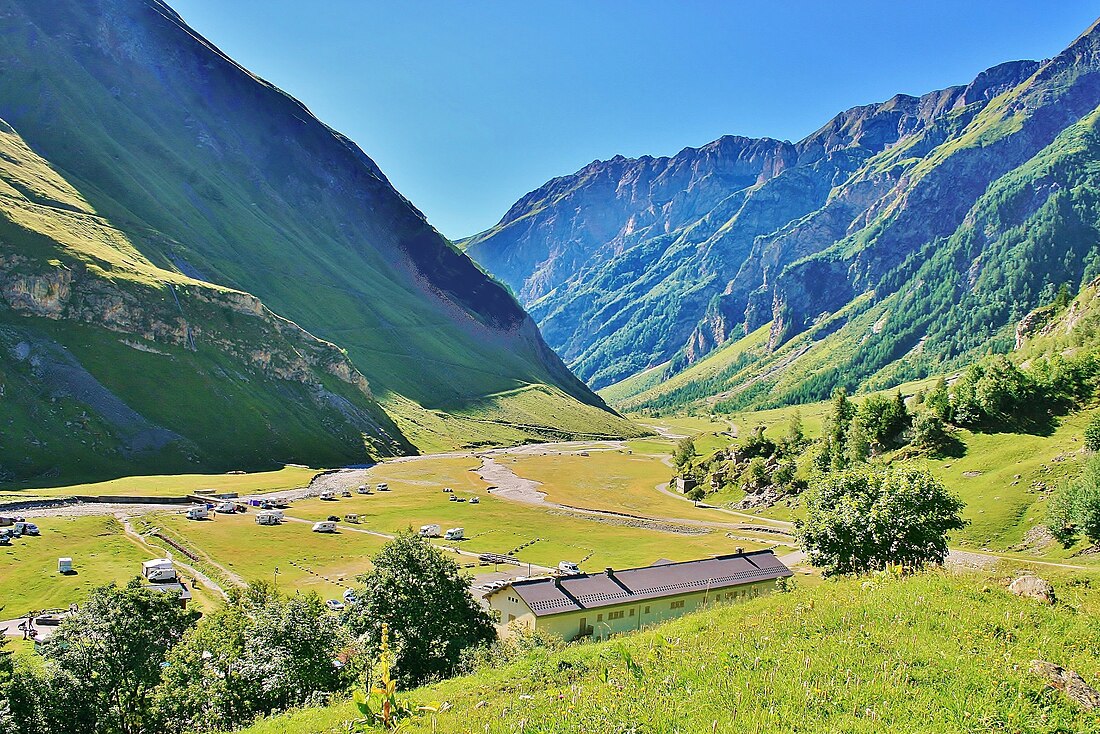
<point x="269" y="517"/>
<point x="159" y="570"/>
<point x="430" y="531"/>
<point x="455" y="534"/>
<point x="198" y="512"/>
<point x="351" y="517"/>
<point x="568" y="568"/>
<point x="383" y="487"/>
<point x="363" y="489"/>
<point x="65" y="565"/>
<point x="346" y="493"/>
<point x="324" y="526"/>
<point x="328" y="496"/>
<point x="225" y="507"/>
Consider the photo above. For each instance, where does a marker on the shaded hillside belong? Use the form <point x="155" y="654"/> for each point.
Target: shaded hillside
<point x="211" y="175"/>
<point x="923" y="200"/>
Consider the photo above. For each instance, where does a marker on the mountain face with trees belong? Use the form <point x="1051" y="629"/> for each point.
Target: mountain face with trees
<point x="899" y="237"/>
<point x="195" y="272"/>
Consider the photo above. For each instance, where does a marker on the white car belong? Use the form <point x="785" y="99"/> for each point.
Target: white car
<point x="335" y="605"/>
<point x="350" y="597"/>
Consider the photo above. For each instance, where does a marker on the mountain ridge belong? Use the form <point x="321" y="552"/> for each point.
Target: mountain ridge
<point x="823" y="220"/>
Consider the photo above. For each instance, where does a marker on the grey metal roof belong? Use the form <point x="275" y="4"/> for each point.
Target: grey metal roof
<point x="594" y="590"/>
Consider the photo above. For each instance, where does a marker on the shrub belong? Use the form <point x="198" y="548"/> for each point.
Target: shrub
<point x="1092" y="434"/>
<point x="869" y="518"/>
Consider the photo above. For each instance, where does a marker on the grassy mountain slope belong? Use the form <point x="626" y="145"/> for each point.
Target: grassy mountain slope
<point x="933" y="653"/>
<point x="1032" y="228"/>
<point x="212" y="175"/>
<point x="108" y="360"/>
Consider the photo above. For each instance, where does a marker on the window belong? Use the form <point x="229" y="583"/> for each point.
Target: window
<point x="511" y="618"/>
<point x="676" y="604"/>
<point x="647" y="610"/>
<point x="632" y="612"/>
<point x="614" y="615"/>
<point x="599" y="617"/>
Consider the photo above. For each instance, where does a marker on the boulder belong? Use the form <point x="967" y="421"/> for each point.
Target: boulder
<point x="1033" y="587"/>
<point x="1068" y="682"/>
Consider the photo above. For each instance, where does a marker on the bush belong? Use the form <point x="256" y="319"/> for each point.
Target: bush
<point x="684" y="452"/>
<point x="869" y="518"/>
<point x="1092" y="434"/>
<point x="1075" y="509"/>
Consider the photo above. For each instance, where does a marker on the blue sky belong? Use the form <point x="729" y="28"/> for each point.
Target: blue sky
<point x="469" y="105"/>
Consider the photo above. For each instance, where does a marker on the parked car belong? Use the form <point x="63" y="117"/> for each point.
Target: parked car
<point x="363" y="489"/>
<point x="474" y="501"/>
<point x="452" y="498"/>
<point x="346" y="493"/>
<point x="335" y="605"/>
<point x="30" y="528"/>
<point x="383" y="487"/>
<point x="333" y="518"/>
<point x="350" y="597"/>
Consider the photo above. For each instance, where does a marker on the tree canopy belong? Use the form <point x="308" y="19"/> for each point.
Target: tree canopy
<point x="426" y="602"/>
<point x="869" y="517"/>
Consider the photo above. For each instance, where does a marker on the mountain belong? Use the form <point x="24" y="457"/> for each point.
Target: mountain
<point x="899" y="237"/>
<point x="196" y="273"/>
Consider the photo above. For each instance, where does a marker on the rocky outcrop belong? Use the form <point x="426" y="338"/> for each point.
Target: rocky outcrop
<point x="1033" y="587"/>
<point x="1069" y="683"/>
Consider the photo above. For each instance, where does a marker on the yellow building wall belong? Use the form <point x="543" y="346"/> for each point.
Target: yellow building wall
<point x="612" y="620"/>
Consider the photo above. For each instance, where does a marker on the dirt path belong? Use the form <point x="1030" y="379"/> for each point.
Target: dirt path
<point x="206" y="581"/>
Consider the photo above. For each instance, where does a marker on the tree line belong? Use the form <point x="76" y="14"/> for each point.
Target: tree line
<point x="131" y="660"/>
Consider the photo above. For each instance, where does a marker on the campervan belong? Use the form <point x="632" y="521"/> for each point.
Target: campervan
<point x="324" y="526"/>
<point x="269" y="517"/>
<point x="429" y="531"/>
<point x="328" y="496"/>
<point x="383" y="487"/>
<point x="568" y="568"/>
<point x="455" y="534"/>
<point x="226" y="507"/>
<point x="351" y="517"/>
<point x="159" y="570"/>
<point x="363" y="489"/>
<point x="199" y="512"/>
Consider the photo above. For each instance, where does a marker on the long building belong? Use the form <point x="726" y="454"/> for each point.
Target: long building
<point x="601" y="604"/>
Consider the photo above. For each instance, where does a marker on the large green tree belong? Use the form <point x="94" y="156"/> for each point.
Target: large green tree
<point x="102" y="665"/>
<point x="425" y="599"/>
<point x="868" y="518"/>
<point x="260" y="652"/>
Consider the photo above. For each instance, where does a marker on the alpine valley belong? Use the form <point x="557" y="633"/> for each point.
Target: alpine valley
<point x="901" y="239"/>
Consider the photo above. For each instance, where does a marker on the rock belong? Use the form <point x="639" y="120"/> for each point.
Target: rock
<point x="1068" y="682"/>
<point x="1033" y="587"/>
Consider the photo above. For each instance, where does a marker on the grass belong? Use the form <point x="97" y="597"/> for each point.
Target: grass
<point x="610" y="481"/>
<point x="175" y="485"/>
<point x="498" y="525"/>
<point x="100" y="550"/>
<point x="934" y="653"/>
<point x="307" y="561"/>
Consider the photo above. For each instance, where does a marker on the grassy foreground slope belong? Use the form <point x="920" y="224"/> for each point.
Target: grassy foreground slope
<point x="934" y="653"/>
